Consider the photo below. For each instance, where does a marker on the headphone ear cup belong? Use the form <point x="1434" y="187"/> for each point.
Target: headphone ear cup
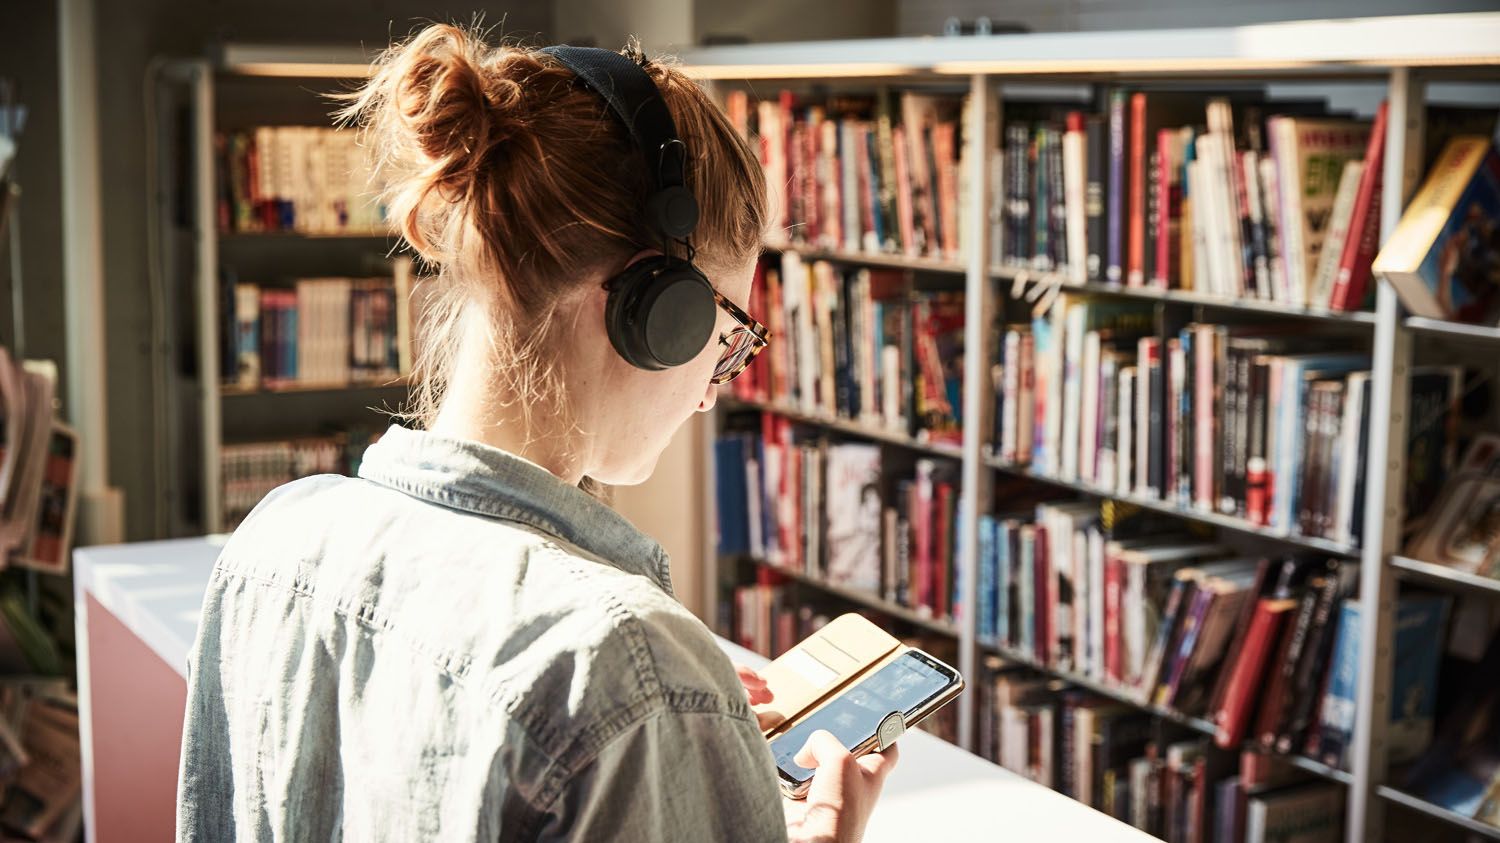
<point x="660" y="313"/>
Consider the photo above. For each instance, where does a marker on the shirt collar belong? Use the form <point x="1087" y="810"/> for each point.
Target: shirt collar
<point x="474" y="477"/>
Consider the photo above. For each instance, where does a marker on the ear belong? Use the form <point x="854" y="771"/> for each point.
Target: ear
<point x="637" y="257"/>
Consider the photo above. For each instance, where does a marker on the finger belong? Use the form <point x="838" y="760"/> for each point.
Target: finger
<point x="822" y="750"/>
<point x="878" y="765"/>
<point x="759" y="696"/>
<point x="767" y="719"/>
<point x="749" y="678"/>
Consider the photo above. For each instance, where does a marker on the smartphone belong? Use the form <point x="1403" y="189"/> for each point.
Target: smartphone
<point x="914" y="683"/>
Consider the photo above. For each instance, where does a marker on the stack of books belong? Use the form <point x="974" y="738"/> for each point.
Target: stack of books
<point x="1266" y="650"/>
<point x="882" y="173"/>
<point x="1230" y="197"/>
<point x="320" y="331"/>
<point x="1260" y="423"/>
<point x="840" y="513"/>
<point x="250" y="470"/>
<point x="304" y="179"/>
<point x="858" y="345"/>
<point x="1156" y="776"/>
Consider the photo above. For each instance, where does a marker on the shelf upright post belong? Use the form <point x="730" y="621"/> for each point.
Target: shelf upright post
<point x="979" y="312"/>
<point x="1390" y="398"/>
<point x="205" y="232"/>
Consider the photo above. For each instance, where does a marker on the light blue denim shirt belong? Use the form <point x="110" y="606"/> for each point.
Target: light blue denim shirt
<point x="457" y="645"/>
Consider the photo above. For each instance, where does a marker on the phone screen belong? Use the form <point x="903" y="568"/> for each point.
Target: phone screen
<point x="904" y="685"/>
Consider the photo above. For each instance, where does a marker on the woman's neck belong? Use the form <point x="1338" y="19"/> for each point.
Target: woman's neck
<point x="473" y="408"/>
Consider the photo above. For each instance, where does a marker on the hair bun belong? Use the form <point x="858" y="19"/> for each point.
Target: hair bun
<point x="437" y="91"/>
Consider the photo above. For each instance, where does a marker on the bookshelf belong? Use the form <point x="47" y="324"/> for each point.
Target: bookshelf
<point x="1399" y="54"/>
<point x="238" y="90"/>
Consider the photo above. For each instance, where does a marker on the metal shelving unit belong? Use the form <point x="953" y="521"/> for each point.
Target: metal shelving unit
<point x="195" y="85"/>
<point x="1401" y="52"/>
<point x="862" y="430"/>
<point x="1189" y="298"/>
<point x="1438" y="813"/>
<point x="1187" y="513"/>
<point x="862" y="598"/>
<point x="1131" y="697"/>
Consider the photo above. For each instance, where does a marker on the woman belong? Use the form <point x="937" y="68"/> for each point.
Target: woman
<point x="461" y="644"/>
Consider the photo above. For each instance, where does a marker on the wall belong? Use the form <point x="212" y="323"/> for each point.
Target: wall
<point x="925" y="17"/>
<point x="28" y="58"/>
<point x="796" y="20"/>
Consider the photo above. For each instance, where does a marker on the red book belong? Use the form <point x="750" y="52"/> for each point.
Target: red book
<point x="1148" y="115"/>
<point x="1113" y="575"/>
<point x="904" y="213"/>
<point x="1135" y="261"/>
<point x="922" y="527"/>
<point x="1364" y="226"/>
<point x="1232" y="720"/>
<point x="1168" y="209"/>
<point x="943" y="555"/>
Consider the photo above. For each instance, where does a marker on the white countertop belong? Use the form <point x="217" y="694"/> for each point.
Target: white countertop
<point x="937" y="791"/>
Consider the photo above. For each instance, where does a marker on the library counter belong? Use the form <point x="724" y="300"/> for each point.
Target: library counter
<point x="137" y="614"/>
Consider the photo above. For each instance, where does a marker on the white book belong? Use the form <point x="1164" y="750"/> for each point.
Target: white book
<point x="1075" y="178"/>
<point x="797" y="298"/>
<point x="849" y="180"/>
<point x="1053" y="429"/>
<point x="1142" y="429"/>
<point x="1223" y="263"/>
<point x="890" y="386"/>
<point x="1284" y="137"/>
<point x="1125" y="447"/>
<point x="1338" y="231"/>
<point x="1088" y="442"/>
<point x="1350" y="457"/>
<point x="1197" y="228"/>
<point x="1271" y="206"/>
<point x="1221" y="127"/>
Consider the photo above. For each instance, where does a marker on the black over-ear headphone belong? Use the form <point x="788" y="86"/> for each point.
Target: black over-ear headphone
<point x="660" y="311"/>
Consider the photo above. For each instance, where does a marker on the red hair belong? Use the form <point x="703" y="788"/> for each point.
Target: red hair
<point x="516" y="184"/>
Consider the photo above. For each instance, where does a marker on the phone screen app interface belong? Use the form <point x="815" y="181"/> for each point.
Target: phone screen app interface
<point x="903" y="685"/>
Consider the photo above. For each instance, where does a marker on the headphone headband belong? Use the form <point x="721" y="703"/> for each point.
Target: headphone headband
<point x="632" y="95"/>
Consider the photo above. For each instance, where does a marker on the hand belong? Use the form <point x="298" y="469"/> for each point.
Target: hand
<point x="759" y="693"/>
<point x="754" y="684"/>
<point x="842" y="793"/>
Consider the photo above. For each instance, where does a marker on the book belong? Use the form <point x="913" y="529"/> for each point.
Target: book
<point x="1441" y="258"/>
<point x="1304" y="814"/>
<point x="1310" y="154"/>
<point x="1332" y="250"/>
<point x="1363" y="239"/>
<point x="1462" y="534"/>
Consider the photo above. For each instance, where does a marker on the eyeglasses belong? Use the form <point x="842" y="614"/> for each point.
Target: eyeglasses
<point x="741" y="343"/>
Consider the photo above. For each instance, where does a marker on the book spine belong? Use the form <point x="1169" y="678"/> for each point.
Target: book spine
<point x="1096" y="141"/>
<point x="1156" y="401"/>
<point x="1353" y="272"/>
<point x="1312" y="665"/>
<point x="1187" y="640"/>
<point x="1168" y="202"/>
<point x="1115" y="254"/>
<point x="1136" y="232"/>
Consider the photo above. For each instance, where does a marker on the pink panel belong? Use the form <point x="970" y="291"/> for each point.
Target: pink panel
<point x="137" y="706"/>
